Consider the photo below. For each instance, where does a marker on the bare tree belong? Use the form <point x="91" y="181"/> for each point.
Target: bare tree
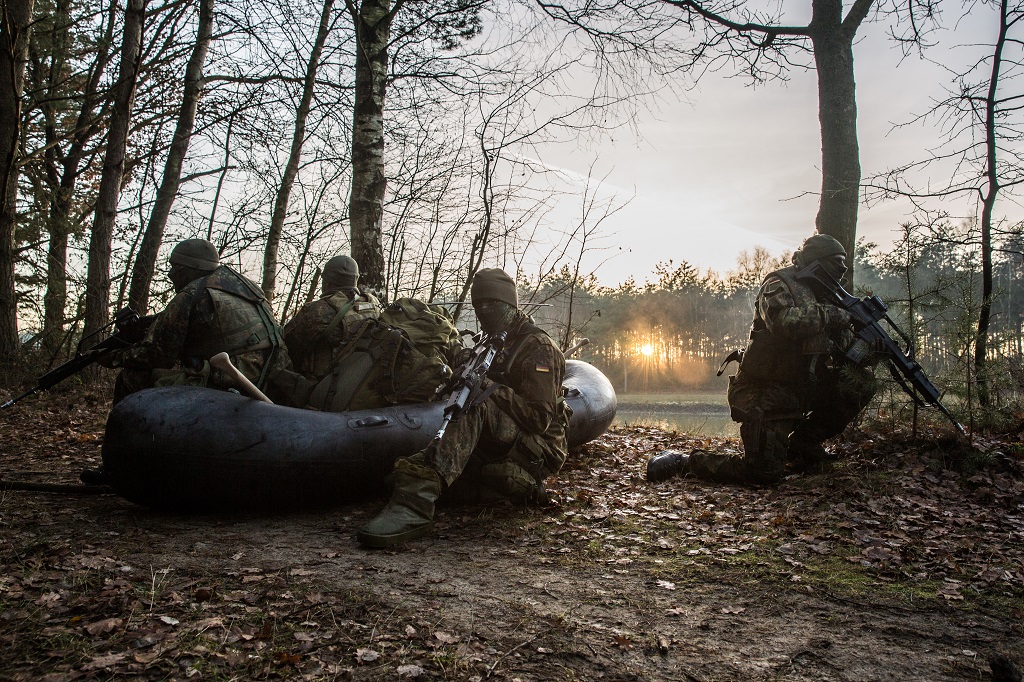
<point x="145" y="262"/>
<point x="67" y="153"/>
<point x="97" y="297"/>
<point x="760" y="43"/>
<point x="15" y="23"/>
<point x="292" y="167"/>
<point x="981" y="158"/>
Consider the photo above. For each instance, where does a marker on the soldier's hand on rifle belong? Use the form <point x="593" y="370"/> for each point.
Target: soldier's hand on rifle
<point x="837" y="318"/>
<point x="462" y="356"/>
<point x="113" y="360"/>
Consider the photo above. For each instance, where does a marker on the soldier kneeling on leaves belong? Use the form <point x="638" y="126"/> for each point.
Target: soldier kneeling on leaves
<point x="795" y="388"/>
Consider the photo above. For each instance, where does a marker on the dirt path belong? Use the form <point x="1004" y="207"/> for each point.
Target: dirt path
<point x="871" y="572"/>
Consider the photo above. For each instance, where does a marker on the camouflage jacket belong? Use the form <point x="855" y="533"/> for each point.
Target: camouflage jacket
<point x="221" y="312"/>
<point x="791" y="328"/>
<point x="316" y="330"/>
<point x="530" y="371"/>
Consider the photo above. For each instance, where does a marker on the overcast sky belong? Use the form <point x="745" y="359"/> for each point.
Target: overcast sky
<point x="735" y="167"/>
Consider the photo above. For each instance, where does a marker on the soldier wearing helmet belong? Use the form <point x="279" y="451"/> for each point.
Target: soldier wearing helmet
<point x="323" y="325"/>
<point x="794" y="388"/>
<point x="214" y="310"/>
<point x="504" y="446"/>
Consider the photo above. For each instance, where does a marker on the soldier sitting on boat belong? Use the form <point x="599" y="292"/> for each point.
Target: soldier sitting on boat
<point x="508" y="440"/>
<point x="320" y="327"/>
<point x="214" y="310"/>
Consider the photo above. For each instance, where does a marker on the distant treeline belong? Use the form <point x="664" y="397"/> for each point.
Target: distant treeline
<point x="672" y="333"/>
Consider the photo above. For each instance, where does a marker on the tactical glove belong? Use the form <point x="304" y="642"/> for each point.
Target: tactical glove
<point x="837" y="318"/>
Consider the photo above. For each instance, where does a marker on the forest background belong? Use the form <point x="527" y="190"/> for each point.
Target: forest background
<point x="412" y="134"/>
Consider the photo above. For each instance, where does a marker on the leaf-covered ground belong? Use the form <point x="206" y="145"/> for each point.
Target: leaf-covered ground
<point x="905" y="562"/>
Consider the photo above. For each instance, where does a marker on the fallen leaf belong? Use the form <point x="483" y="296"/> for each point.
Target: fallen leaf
<point x="102" y="626"/>
<point x="105" y="661"/>
<point x="207" y="623"/>
<point x="367" y="655"/>
<point x="202" y="594"/>
<point x="410" y="671"/>
<point x="445" y="637"/>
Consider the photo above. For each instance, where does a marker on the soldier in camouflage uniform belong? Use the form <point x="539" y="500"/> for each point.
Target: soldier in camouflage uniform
<point x="795" y="388"/>
<point x="214" y="310"/>
<point x="501" y="448"/>
<point x="323" y="325"/>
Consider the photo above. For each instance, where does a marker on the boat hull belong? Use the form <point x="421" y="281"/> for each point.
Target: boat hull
<point x="195" y="448"/>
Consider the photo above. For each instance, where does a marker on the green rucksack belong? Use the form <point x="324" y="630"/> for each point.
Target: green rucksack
<point x="400" y="358"/>
<point x="430" y="328"/>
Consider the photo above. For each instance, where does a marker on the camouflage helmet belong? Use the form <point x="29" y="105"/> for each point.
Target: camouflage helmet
<point x="341" y="271"/>
<point x="197" y="254"/>
<point x="818" y="247"/>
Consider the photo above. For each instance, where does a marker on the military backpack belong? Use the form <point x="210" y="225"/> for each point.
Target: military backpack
<point x="399" y="358"/>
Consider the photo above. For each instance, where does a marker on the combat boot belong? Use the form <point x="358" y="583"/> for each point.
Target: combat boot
<point x="667" y="464"/>
<point x="409" y="513"/>
<point x="94" y="476"/>
<point x="809" y="456"/>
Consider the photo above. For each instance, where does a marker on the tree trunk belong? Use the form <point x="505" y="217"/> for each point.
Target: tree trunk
<point x="837" y="113"/>
<point x="97" y="288"/>
<point x="15" y="24"/>
<point x="292" y="169"/>
<point x="60" y="225"/>
<point x="145" y="262"/>
<point x="366" y="203"/>
<point x="987" y="206"/>
<point x="56" y="297"/>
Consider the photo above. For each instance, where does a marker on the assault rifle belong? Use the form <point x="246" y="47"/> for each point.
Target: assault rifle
<point x="868" y="314"/>
<point x="464" y="387"/>
<point x="128" y="329"/>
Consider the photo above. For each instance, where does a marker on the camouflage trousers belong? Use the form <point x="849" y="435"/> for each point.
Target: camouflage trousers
<point x="485" y="456"/>
<point x="786" y="423"/>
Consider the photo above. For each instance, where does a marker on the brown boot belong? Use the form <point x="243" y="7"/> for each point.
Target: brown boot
<point x="409" y="513"/>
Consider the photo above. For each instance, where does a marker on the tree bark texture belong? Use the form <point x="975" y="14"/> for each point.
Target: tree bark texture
<point x="145" y="261"/>
<point x="292" y="169"/>
<point x="832" y="39"/>
<point x="989" y="194"/>
<point x="366" y="203"/>
<point x="15" y="22"/>
<point x="97" y="288"/>
<point x="70" y="163"/>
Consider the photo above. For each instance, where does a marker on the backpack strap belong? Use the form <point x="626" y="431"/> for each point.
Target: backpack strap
<point x="348" y="383"/>
<point x="338" y="317"/>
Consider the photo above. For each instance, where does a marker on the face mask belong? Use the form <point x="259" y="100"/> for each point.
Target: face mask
<point x="494" y="316"/>
<point x="835" y="266"/>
